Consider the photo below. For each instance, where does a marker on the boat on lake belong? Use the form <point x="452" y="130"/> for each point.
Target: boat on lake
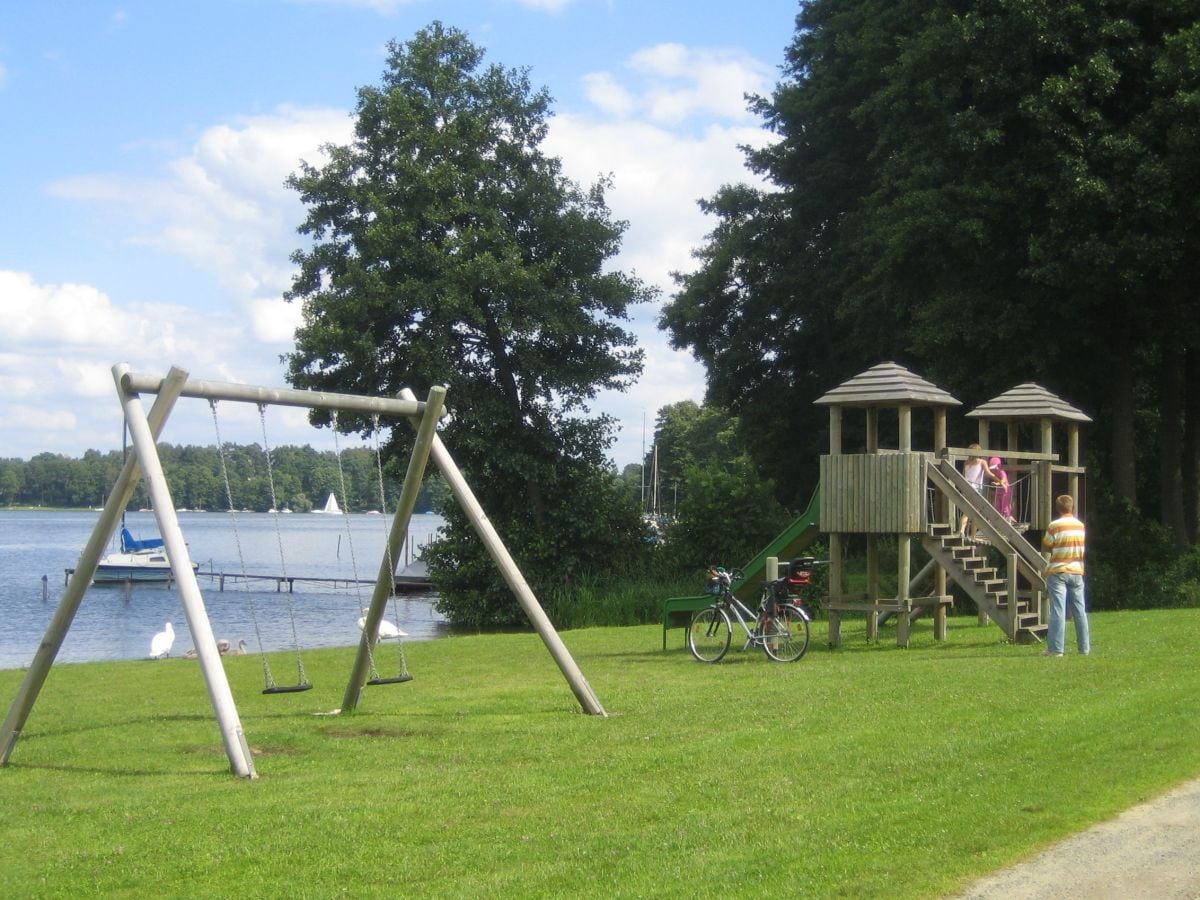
<point x="412" y="579"/>
<point x="331" y="506"/>
<point x="141" y="561"/>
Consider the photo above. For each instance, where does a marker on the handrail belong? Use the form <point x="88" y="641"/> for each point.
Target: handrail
<point x="995" y="527"/>
<point x="985" y="453"/>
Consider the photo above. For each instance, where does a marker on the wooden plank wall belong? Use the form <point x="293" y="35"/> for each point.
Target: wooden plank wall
<point x="868" y="493"/>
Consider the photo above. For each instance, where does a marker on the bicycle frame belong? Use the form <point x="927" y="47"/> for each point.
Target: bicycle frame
<point x="779" y="628"/>
<point x="744" y="616"/>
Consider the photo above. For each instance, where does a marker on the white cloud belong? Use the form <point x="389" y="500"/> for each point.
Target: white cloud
<point x="273" y="321"/>
<point x="547" y="5"/>
<point x="3" y="75"/>
<point x="660" y="169"/>
<point x="61" y="342"/>
<point x="678" y="83"/>
<point x="223" y="206"/>
<point x="606" y="92"/>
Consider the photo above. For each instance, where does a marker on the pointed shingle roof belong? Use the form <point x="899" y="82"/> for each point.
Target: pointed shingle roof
<point x="887" y="384"/>
<point x="1028" y="401"/>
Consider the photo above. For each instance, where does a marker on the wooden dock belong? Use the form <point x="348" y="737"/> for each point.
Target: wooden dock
<point x="406" y="582"/>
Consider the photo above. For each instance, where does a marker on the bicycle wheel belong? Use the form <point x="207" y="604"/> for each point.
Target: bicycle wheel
<point x="785" y="635"/>
<point x="709" y="634"/>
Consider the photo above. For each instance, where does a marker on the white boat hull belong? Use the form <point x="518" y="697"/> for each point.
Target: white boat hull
<point x="128" y="567"/>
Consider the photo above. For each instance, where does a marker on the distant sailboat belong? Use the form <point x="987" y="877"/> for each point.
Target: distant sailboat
<point x="331" y="506"/>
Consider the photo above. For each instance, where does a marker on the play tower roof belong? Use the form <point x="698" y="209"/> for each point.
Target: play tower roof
<point x="887" y="384"/>
<point x="1028" y="401"/>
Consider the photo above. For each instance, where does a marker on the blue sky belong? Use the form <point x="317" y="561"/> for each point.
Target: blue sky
<point x="143" y="217"/>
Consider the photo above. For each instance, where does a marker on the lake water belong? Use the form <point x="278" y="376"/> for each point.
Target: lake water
<point x="118" y="621"/>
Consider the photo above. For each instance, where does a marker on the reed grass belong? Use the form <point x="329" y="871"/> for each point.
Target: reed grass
<point x="863" y="772"/>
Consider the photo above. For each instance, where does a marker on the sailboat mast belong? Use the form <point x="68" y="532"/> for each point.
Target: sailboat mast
<point x="654" y="481"/>
<point x="643" y="462"/>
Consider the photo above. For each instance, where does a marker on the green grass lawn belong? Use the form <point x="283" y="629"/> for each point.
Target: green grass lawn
<point x="869" y="771"/>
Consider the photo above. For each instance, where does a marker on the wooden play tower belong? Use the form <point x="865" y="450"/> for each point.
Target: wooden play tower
<point x="916" y="496"/>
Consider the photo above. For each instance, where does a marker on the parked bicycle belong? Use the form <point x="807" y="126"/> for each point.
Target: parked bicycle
<point x="779" y="627"/>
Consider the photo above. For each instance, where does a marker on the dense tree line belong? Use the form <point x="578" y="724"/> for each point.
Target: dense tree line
<point x="988" y="193"/>
<point x="302" y="478"/>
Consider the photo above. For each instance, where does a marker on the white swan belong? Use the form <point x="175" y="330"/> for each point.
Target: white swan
<point x="160" y="644"/>
<point x="386" y="629"/>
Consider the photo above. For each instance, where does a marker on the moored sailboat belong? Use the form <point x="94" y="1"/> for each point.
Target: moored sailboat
<point x="136" y="561"/>
<point x="331" y="506"/>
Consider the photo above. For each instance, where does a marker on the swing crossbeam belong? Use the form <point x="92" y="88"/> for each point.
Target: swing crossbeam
<point x="264" y="396"/>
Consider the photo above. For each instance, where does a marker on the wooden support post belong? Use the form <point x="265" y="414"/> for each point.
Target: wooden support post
<point x="512" y="575"/>
<point x="215" y="680"/>
<point x="904" y="617"/>
<point x="1073" y="461"/>
<point x="835" y="589"/>
<point x="872" y="586"/>
<point x="385" y="580"/>
<point x="872" y="430"/>
<point x="1012" y="597"/>
<point x="835" y="430"/>
<point x="939" y="616"/>
<point x="941" y="514"/>
<point x="905" y="429"/>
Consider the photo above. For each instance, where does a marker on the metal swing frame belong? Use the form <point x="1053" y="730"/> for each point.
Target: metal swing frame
<point x="144" y="429"/>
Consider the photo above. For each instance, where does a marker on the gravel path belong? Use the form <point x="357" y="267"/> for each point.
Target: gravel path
<point x="1151" y="851"/>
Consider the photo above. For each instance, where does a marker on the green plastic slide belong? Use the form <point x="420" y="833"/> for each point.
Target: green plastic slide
<point x="802" y="532"/>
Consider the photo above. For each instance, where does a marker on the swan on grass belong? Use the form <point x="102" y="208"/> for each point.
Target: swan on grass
<point x="386" y="629"/>
<point x="160" y="644"/>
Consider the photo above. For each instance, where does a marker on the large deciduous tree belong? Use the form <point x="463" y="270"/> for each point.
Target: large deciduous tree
<point x="447" y="248"/>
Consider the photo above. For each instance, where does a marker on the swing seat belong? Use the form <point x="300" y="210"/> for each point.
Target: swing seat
<point x="288" y="688"/>
<point x="399" y="679"/>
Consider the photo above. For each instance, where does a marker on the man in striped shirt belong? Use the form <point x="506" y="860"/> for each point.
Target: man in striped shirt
<point x="1065" y="541"/>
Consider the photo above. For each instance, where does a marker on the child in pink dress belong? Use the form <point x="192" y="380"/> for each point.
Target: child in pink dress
<point x="1002" y="497"/>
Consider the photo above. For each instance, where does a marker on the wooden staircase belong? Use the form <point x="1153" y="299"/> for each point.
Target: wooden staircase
<point x="1012" y="598"/>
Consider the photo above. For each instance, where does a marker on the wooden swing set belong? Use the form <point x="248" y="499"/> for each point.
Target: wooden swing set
<point x="144" y="429"/>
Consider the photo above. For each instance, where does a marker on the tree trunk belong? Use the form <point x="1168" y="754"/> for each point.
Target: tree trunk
<point x="1123" y="437"/>
<point x="1170" y="440"/>
<point x="1190" y="474"/>
<point x="508" y="384"/>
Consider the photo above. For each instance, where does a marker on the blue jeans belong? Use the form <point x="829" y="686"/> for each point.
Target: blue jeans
<point x="1066" y="589"/>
